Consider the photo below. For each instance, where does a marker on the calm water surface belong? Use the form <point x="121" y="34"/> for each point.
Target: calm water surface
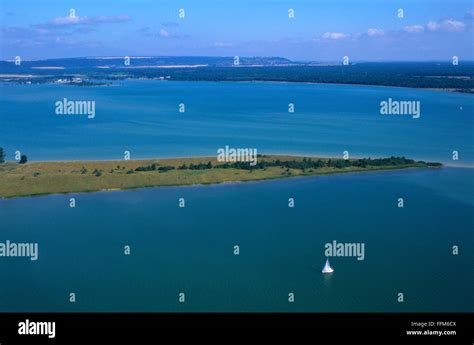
<point x="282" y="249"/>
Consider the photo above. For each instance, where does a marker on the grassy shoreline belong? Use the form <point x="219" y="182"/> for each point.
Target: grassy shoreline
<point x="64" y="177"/>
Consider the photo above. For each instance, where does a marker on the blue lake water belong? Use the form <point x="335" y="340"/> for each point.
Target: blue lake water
<point x="190" y="250"/>
<point x="281" y="249"/>
<point x="142" y="117"/>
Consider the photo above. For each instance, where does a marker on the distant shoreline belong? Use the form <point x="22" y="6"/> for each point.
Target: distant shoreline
<point x="92" y="83"/>
<point x="340" y="84"/>
<point x="431" y="75"/>
<point x="65" y="177"/>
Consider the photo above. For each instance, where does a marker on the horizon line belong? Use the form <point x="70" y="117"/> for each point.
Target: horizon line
<point x="231" y="57"/>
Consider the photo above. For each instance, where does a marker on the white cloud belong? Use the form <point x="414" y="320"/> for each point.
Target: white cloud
<point x="68" y="20"/>
<point x="375" y="32"/>
<point x="164" y="33"/>
<point x="446" y="25"/>
<point x="222" y="44"/>
<point x="433" y="26"/>
<point x="454" y="25"/>
<point x="414" y="28"/>
<point x="334" y="35"/>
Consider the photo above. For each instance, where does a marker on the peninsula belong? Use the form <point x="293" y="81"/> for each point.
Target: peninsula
<point x="41" y="178"/>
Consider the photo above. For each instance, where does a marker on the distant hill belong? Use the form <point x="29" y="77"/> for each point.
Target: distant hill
<point x="119" y="62"/>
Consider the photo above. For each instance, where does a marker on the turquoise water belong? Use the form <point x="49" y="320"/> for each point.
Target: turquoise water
<point x="190" y="250"/>
<point x="281" y="249"/>
<point x="142" y="117"/>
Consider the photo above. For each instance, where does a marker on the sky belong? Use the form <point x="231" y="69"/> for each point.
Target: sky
<point x="321" y="30"/>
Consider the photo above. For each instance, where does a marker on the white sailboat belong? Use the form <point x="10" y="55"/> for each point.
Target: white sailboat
<point x="327" y="267"/>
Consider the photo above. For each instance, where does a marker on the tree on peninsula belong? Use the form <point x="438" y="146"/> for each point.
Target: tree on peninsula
<point x="2" y="155"/>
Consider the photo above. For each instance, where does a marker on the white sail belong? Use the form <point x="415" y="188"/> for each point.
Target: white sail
<point x="327" y="267"/>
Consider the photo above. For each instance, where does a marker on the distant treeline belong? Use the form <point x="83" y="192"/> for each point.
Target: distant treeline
<point x="153" y="167"/>
<point x="308" y="163"/>
<point x="23" y="158"/>
<point x="404" y="74"/>
<point x="305" y="163"/>
<point x="422" y="75"/>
